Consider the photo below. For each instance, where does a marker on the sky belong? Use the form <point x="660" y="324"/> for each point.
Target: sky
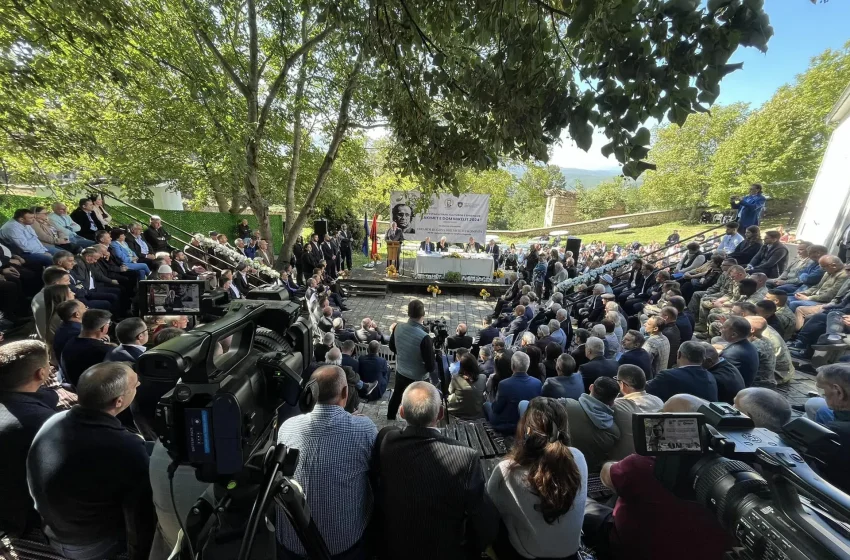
<point x="802" y="30"/>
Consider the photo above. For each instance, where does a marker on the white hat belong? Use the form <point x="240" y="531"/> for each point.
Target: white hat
<point x="164" y="269"/>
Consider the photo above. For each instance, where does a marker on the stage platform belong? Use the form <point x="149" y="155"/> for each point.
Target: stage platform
<point x="374" y="282"/>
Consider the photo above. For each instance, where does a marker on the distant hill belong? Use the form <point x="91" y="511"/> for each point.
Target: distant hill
<point x="590" y="178"/>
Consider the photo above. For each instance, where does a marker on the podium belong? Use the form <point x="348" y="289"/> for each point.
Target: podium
<point x="393" y="251"/>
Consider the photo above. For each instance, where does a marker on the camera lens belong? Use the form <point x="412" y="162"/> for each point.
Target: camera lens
<point x="722" y="484"/>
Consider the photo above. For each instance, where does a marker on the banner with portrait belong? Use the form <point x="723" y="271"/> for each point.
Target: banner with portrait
<point x="457" y="218"/>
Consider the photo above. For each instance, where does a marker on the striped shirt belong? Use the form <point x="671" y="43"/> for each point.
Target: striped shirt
<point x="333" y="471"/>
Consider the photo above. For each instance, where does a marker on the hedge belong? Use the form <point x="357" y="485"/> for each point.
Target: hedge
<point x="194" y="222"/>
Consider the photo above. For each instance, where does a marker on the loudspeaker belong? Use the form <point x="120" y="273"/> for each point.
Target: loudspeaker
<point x="574" y="245"/>
<point x="320" y="228"/>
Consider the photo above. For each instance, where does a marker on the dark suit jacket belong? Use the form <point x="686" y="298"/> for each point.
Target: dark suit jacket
<point x="694" y="380"/>
<point x="494" y="250"/>
<point x="518" y="325"/>
<point x="314" y="255"/>
<point x="638" y="357"/>
<point x="430" y="247"/>
<point x="595" y="368"/>
<point x="157" y="239"/>
<point x="686" y="329"/>
<point x="364" y="335"/>
<point x="184" y="271"/>
<point x="123" y="354"/>
<point x="744" y="252"/>
<point x="85" y="227"/>
<point x="674" y="337"/>
<point x="351" y="362"/>
<point x="326" y="324"/>
<point x="374" y="368"/>
<point x="430" y="495"/>
<point x="241" y="283"/>
<point x="135" y="247"/>
<point x="516" y="388"/>
<point x="770" y="260"/>
<point x="486" y="336"/>
<point x="442" y="248"/>
<point x="729" y="380"/>
<point x="456" y="341"/>
<point x="596" y="309"/>
<point x="744" y="356"/>
<point x="476" y="249"/>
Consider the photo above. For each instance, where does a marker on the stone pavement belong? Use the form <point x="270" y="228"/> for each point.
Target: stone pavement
<point x="454" y="308"/>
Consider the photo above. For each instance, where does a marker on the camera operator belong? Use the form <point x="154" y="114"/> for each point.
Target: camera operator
<point x="649" y="522"/>
<point x="333" y="469"/>
<point x="414" y="352"/>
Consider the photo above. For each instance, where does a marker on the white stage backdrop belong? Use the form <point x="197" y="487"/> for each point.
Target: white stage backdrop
<point x="456" y="217"/>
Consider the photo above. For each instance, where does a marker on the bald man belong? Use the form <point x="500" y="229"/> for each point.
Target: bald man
<point x="460" y="339"/>
<point x="765" y="376"/>
<point x="333" y="470"/>
<point x="767" y="408"/>
<point x="649" y="520"/>
<point x="729" y="380"/>
<point x="417" y="465"/>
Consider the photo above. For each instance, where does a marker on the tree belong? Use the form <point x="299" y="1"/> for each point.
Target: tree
<point x="460" y="85"/>
<point x="606" y="196"/>
<point x="684" y="156"/>
<point x="783" y="141"/>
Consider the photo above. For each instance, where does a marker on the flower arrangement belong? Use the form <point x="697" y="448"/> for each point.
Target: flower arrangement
<point x="453" y="255"/>
<point x="452" y="276"/>
<point x="591" y="277"/>
<point x="484" y="294"/>
<point x="499" y="273"/>
<point x="392" y="271"/>
<point x="231" y="255"/>
<point x="434" y="290"/>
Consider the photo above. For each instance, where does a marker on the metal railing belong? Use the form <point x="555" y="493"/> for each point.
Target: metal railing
<point x="221" y="264"/>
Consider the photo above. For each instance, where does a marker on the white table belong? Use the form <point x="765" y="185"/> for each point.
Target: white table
<point x="473" y="267"/>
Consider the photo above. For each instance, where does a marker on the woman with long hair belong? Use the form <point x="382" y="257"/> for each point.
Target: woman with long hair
<point x="53" y="296"/>
<point x="540" y="489"/>
<point x="466" y="390"/>
<point x="99" y="210"/>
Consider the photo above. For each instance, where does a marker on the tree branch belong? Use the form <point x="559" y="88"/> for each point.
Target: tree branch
<point x="253" y="47"/>
<point x="281" y="77"/>
<point x="226" y="66"/>
<point x="552" y="9"/>
<point x="368" y="126"/>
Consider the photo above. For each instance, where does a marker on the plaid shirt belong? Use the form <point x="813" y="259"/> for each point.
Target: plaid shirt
<point x="333" y="470"/>
<point x="659" y="351"/>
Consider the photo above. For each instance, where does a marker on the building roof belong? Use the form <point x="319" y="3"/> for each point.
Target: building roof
<point x="841" y="110"/>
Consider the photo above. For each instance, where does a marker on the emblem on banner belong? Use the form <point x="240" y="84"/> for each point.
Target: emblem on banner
<point x="449" y="202"/>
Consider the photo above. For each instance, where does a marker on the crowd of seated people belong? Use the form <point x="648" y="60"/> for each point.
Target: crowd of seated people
<point x="567" y="394"/>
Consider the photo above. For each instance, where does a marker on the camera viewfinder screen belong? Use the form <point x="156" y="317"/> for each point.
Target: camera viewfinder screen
<point x="172" y="298"/>
<point x="670" y="434"/>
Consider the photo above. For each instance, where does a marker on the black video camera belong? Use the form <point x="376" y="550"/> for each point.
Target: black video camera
<point x="438" y="329"/>
<point x="760" y="487"/>
<point x="234" y="374"/>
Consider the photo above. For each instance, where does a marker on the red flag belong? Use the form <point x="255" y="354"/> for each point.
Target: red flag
<point x="374" y="234"/>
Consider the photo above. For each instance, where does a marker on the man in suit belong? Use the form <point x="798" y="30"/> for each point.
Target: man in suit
<point x="136" y="242"/>
<point x="368" y="331"/>
<point x="348" y="358"/>
<point x="519" y="323"/>
<point x="727" y="376"/>
<point x="312" y="255"/>
<point x="240" y="278"/>
<point x="426" y="246"/>
<point x="544" y="338"/>
<point x="460" y="339"/>
<point x="488" y="333"/>
<point x="689" y="377"/>
<point x="503" y="414"/>
<point x="473" y="246"/>
<point x="326" y="322"/>
<point x="157" y="237"/>
<point x="181" y="267"/>
<point x="493" y="250"/>
<point x="374" y="369"/>
<point x="132" y="333"/>
<point x="264" y="253"/>
<point x="771" y="258"/>
<point x="329" y="256"/>
<point x="85" y="217"/>
<point x="454" y="518"/>
<point x="740" y="352"/>
<point x="597" y="365"/>
<point x="670" y="331"/>
<point x="594" y="309"/>
<point x="634" y="354"/>
<point x="92" y="284"/>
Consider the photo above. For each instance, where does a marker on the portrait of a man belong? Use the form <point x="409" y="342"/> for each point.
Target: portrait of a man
<point x="403" y="217"/>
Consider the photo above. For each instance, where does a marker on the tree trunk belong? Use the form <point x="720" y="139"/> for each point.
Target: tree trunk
<point x="695" y="211"/>
<point x="221" y="200"/>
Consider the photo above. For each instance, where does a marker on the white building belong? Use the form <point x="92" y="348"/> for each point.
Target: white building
<point x="827" y="210"/>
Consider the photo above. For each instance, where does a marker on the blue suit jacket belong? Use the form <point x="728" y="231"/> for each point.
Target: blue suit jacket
<point x="686" y="329"/>
<point x="518" y="325"/>
<point x="694" y="380"/>
<point x="638" y="357"/>
<point x="123" y="354"/>
<point x="486" y="336"/>
<point x="744" y="356"/>
<point x="374" y="368"/>
<point x="516" y="388"/>
<point x="351" y="362"/>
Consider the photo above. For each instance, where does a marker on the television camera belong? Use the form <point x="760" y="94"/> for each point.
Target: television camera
<point x="438" y="329"/>
<point x="758" y="483"/>
<point x="236" y="378"/>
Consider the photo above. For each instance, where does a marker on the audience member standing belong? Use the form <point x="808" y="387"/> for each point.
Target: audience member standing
<point x="414" y="353"/>
<point x="89" y="476"/>
<point x="25" y="405"/>
<point x="541" y="488"/>
<point x="333" y="468"/>
<point x="88" y="348"/>
<point x="430" y="494"/>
